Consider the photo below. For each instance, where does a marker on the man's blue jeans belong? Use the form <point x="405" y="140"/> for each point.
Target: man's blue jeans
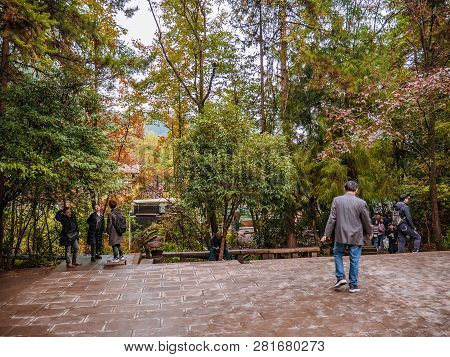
<point x="355" y="253"/>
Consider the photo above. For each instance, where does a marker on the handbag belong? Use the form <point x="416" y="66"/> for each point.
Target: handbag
<point x="71" y="236"/>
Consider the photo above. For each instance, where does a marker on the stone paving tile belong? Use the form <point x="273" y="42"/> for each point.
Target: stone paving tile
<point x="77" y="327"/>
<point x="35" y="331"/>
<point x="6" y="323"/>
<point x="133" y="324"/>
<point x="286" y="297"/>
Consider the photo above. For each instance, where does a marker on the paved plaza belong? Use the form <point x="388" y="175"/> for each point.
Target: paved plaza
<point x="402" y="295"/>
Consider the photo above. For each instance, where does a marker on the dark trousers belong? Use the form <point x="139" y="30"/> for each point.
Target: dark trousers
<point x="95" y="249"/>
<point x="117" y="250"/>
<point x="393" y="246"/>
<point x="96" y="246"/>
<point x="404" y="230"/>
<point x="71" y="252"/>
<point x="380" y="240"/>
<point x="213" y="257"/>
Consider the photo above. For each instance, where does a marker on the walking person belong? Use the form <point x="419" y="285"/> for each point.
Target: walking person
<point x="69" y="235"/>
<point x="96" y="227"/>
<point x="406" y="226"/>
<point x="115" y="228"/>
<point x="349" y="220"/>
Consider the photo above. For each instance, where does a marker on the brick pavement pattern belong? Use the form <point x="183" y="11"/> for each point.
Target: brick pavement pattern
<point x="402" y="295"/>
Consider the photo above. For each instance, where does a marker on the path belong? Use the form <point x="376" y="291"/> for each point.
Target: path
<point x="402" y="295"/>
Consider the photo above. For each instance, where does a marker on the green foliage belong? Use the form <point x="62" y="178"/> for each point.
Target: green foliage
<point x="47" y="144"/>
<point x="224" y="163"/>
<point x="182" y="231"/>
<point x="367" y="99"/>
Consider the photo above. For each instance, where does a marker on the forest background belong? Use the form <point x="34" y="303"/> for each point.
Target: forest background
<point x="269" y="106"/>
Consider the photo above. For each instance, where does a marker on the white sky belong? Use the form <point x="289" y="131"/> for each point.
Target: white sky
<point x="141" y="26"/>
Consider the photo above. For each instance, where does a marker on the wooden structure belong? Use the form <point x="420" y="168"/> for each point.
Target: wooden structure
<point x="241" y="254"/>
<point x="150" y="211"/>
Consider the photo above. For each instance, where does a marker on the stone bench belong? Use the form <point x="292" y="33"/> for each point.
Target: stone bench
<point x="272" y="253"/>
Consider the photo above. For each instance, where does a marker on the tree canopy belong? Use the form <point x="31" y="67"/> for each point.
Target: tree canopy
<point x="270" y="106"/>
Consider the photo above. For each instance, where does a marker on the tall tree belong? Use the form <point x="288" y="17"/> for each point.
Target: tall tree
<point x="193" y="44"/>
<point x="196" y="48"/>
<point x="424" y="94"/>
<point x="73" y="43"/>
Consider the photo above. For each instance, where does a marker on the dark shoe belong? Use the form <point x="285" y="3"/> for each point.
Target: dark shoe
<point x="92" y="259"/>
<point x="70" y="266"/>
<point x="76" y="264"/>
<point x="353" y="289"/>
<point x="340" y="283"/>
<point x="98" y="257"/>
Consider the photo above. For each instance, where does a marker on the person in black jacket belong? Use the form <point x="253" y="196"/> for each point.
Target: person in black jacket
<point x="96" y="227"/>
<point x="69" y="235"/>
<point x="406" y="227"/>
<point x="214" y="247"/>
<point x="391" y="234"/>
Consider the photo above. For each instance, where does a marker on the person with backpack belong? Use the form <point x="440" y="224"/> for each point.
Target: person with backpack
<point x="96" y="227"/>
<point x="115" y="228"/>
<point x="69" y="235"/>
<point x="403" y="220"/>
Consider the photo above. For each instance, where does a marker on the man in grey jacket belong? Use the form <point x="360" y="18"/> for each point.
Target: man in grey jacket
<point x="406" y="227"/>
<point x="349" y="220"/>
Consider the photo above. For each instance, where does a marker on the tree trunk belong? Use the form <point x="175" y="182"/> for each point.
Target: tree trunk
<point x="283" y="59"/>
<point x="291" y="234"/>
<point x="435" y="221"/>
<point x="212" y="218"/>
<point x="2" y="232"/>
<point x="3" y="70"/>
<point x="4" y="56"/>
<point x="261" y="70"/>
<point x="222" y="243"/>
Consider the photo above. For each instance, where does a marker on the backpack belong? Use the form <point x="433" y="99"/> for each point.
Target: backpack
<point x="120" y="224"/>
<point x="396" y="218"/>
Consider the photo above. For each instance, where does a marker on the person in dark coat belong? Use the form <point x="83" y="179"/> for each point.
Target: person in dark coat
<point x="387" y="220"/>
<point x="406" y="227"/>
<point x="96" y="227"/>
<point x="69" y="235"/>
<point x="214" y="247"/>
<point x="392" y="236"/>
<point x="349" y="220"/>
<point x="115" y="238"/>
